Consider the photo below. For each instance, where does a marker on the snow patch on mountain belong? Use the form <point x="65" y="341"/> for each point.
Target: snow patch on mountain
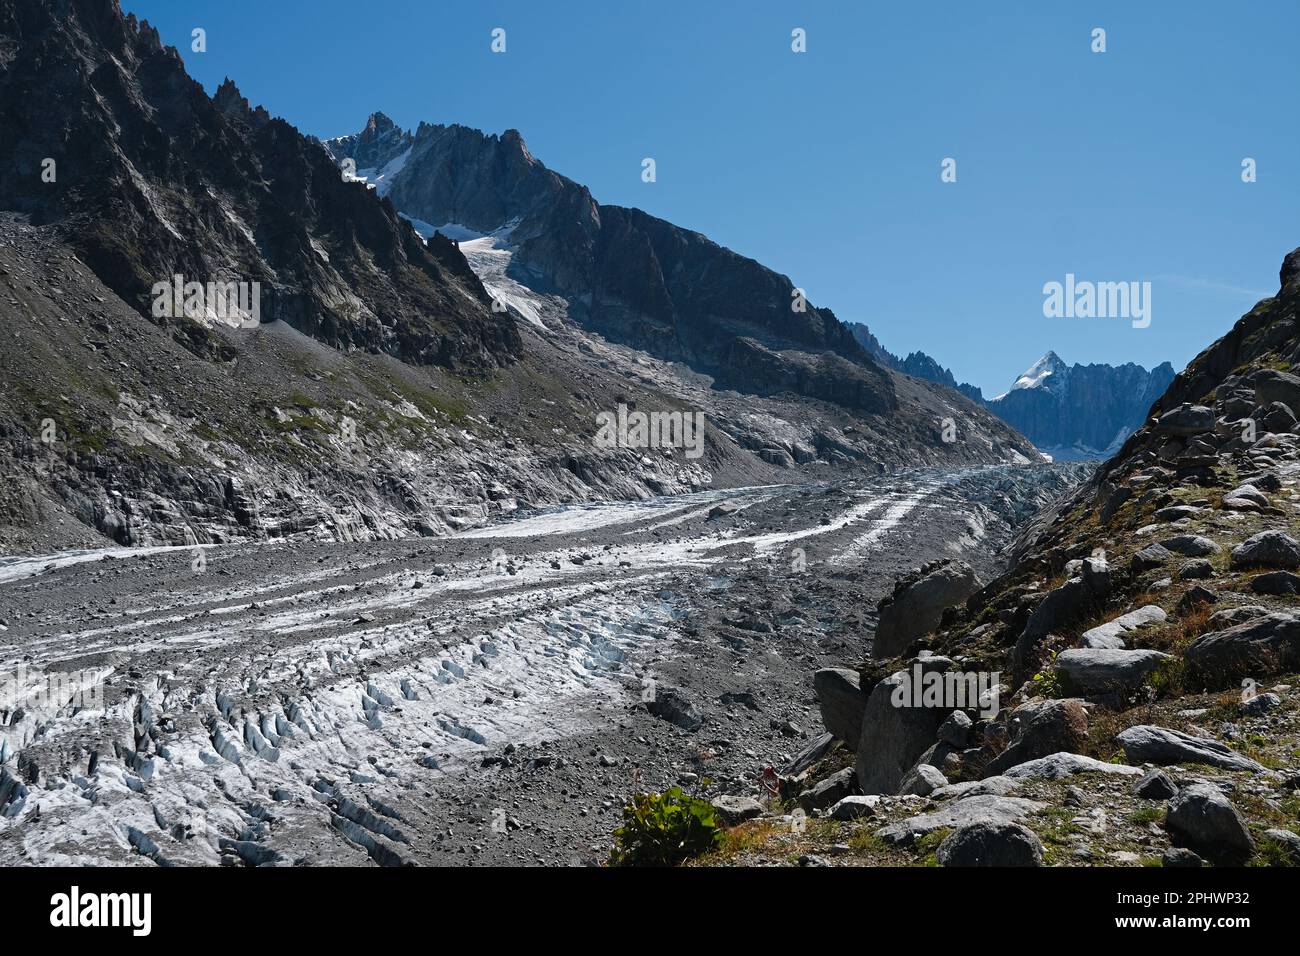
<point x="489" y="255"/>
<point x="381" y="180"/>
<point x="1039" y="373"/>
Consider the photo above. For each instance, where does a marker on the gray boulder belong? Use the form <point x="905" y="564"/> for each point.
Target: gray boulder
<point x="1058" y="607"/>
<point x="1247" y="493"/>
<point x="1268" y="549"/>
<point x="990" y="844"/>
<point x="853" y="807"/>
<point x="893" y="738"/>
<point x="1190" y="545"/>
<point x="818" y="748"/>
<point x="1147" y="743"/>
<point x="1276" y="582"/>
<point x="1287" y="842"/>
<point x="828" y="792"/>
<point x="1198" y="569"/>
<point x="1176" y="512"/>
<point x="1111" y="634"/>
<point x="1265" y="643"/>
<point x="1039" y="729"/>
<point x="1106" y="671"/>
<point x="1272" y="385"/>
<point x="736" y="809"/>
<point x="1186" y="420"/>
<point x="671" y="705"/>
<point x="1232" y="616"/>
<point x="922" y="780"/>
<point x="1274" y="417"/>
<point x="955" y="729"/>
<point x="1150" y="558"/>
<point x="1203" y="819"/>
<point x="1062" y="765"/>
<point x="988" y="808"/>
<point x="1194" y="597"/>
<point x="995" y="786"/>
<point x="723" y="509"/>
<point x="842" y="702"/>
<point x="917" y="605"/>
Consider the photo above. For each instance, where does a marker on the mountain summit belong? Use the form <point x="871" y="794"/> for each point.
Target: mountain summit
<point x="1049" y="373"/>
<point x="1081" y="411"/>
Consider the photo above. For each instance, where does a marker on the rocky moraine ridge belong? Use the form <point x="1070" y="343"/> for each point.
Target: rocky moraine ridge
<point x="1144" y="647"/>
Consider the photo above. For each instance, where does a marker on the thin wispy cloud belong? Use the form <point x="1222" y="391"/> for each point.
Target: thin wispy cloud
<point x="1212" y="285"/>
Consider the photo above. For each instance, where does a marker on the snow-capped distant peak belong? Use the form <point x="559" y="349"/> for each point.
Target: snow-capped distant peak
<point x="1037" y="375"/>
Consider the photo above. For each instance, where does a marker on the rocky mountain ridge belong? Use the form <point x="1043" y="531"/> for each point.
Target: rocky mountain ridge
<point x="151" y="178"/>
<point x="629" y="276"/>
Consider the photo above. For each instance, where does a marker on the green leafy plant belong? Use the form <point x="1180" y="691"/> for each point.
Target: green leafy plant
<point x="663" y="829"/>
<point x="1046" y="681"/>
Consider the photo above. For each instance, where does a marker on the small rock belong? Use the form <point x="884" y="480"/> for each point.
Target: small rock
<point x="1190" y="545"/>
<point x="1261" y="704"/>
<point x="736" y="809"/>
<point x="1288" y="842"/>
<point x="1196" y="596"/>
<point x="828" y="792"/>
<point x="1195" y="570"/>
<point x="851" y="808"/>
<point x="1150" y="558"/>
<point x="922" y="780"/>
<point x="955" y="730"/>
<point x="1155" y="785"/>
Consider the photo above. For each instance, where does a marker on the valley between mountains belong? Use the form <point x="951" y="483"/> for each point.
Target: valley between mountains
<point x="354" y="581"/>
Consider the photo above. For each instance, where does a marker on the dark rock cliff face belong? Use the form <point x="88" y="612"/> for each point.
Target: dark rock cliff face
<point x="1081" y="408"/>
<point x="153" y="178"/>
<point x="634" y="278"/>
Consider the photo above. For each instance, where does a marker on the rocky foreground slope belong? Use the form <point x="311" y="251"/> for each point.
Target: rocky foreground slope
<point x="1126" y="693"/>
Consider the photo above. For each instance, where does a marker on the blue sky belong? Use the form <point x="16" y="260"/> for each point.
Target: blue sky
<point x="1115" y="166"/>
